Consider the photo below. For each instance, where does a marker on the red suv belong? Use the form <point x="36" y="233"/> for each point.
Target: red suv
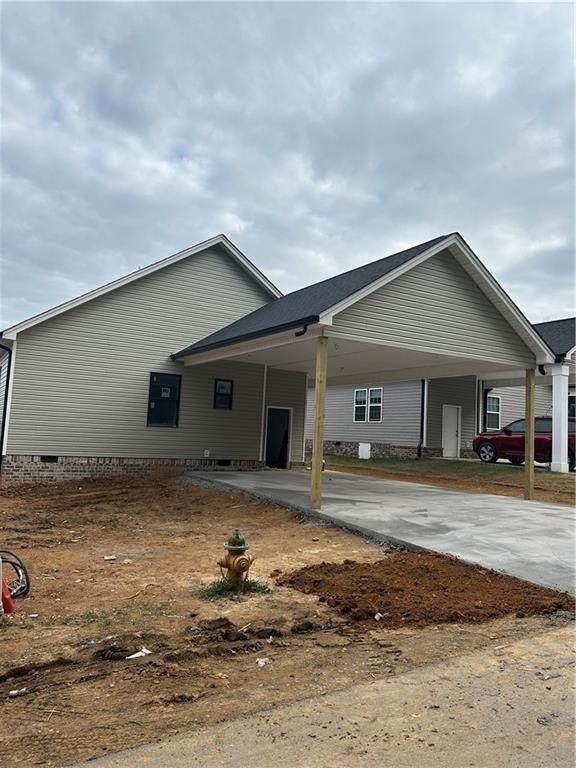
<point x="508" y="442"/>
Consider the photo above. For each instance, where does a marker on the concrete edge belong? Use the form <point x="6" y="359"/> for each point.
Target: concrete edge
<point x="314" y="515"/>
<point x="380" y="539"/>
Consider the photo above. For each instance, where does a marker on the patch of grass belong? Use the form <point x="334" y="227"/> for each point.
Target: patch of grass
<point x="155" y="609"/>
<point x="4" y="621"/>
<point x="219" y="589"/>
<point x="474" y="471"/>
<point x="104" y="617"/>
<point x="107" y="616"/>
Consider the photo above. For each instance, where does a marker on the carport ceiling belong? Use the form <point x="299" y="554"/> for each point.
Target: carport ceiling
<point x="350" y="361"/>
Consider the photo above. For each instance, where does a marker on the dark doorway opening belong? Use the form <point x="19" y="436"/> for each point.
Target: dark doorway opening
<point x="277" y="437"/>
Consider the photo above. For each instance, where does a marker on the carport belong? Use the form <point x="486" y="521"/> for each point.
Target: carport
<point x="430" y="311"/>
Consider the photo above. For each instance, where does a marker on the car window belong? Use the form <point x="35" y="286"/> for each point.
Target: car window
<point x="517" y="426"/>
<point x="571" y="427"/>
<point x="543" y="425"/>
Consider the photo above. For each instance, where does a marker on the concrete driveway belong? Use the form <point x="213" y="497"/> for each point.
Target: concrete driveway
<point x="528" y="539"/>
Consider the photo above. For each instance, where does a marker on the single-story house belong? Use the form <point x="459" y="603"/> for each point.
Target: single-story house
<point x="198" y="360"/>
<point x="405" y="419"/>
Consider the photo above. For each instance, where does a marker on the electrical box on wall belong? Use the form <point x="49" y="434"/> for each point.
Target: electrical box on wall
<point x="206" y="453"/>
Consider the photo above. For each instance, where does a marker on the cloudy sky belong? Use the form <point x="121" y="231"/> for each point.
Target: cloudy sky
<point x="317" y="136"/>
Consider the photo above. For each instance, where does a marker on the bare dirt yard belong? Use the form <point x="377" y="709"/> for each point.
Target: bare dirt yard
<point x="67" y="642"/>
<point x="501" y="479"/>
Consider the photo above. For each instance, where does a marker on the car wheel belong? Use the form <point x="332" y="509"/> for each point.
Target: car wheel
<point x="487" y="453"/>
<point x="516" y="461"/>
<point x="571" y="461"/>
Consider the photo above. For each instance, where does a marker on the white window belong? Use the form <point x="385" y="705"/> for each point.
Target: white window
<point x="375" y="404"/>
<point x="493" y="412"/>
<point x="360" y="397"/>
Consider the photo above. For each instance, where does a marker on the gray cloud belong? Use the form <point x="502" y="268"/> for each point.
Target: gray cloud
<point x="317" y="136"/>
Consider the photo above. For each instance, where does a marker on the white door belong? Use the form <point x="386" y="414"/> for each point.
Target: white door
<point x="451" y="431"/>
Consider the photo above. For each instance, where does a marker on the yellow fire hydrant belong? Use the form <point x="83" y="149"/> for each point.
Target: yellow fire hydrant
<point x="237" y="562"/>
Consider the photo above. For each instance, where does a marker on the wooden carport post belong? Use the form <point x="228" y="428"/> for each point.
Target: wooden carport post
<point x="319" y="411"/>
<point x="529" y="434"/>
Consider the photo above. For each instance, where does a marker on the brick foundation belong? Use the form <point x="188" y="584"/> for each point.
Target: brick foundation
<point x="377" y="450"/>
<point x="30" y="469"/>
<point x="382" y="450"/>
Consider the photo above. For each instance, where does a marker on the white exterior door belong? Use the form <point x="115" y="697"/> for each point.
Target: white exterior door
<point x="451" y="431"/>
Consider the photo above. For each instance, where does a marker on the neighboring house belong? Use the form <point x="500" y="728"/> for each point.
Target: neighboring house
<point x="199" y="361"/>
<point x="409" y="418"/>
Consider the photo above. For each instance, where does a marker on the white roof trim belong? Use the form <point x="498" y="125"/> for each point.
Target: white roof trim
<point x="480" y="275"/>
<point x="237" y="255"/>
<point x="257" y="344"/>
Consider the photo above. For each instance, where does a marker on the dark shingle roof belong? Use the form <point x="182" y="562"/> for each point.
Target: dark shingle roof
<point x="305" y="305"/>
<point x="560" y="335"/>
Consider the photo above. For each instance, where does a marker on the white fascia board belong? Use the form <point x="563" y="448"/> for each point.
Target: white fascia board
<point x="328" y="315"/>
<point x="252" y="345"/>
<point x="485" y="281"/>
<point x="518" y="373"/>
<point x="237" y="255"/>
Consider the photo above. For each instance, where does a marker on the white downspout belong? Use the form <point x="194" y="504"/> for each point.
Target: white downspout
<point x="560" y="373"/>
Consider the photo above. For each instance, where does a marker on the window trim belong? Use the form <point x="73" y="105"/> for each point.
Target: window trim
<point x="365" y="406"/>
<point x="177" y="422"/>
<point x="377" y="405"/>
<point x="499" y="412"/>
<point x="219" y="407"/>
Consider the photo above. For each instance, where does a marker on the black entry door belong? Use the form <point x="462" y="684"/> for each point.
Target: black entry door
<point x="277" y="437"/>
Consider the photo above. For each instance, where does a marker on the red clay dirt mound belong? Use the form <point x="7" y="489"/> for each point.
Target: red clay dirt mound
<point x="410" y="588"/>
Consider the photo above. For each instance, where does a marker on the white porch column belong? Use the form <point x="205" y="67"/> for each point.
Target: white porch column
<point x="559" y="417"/>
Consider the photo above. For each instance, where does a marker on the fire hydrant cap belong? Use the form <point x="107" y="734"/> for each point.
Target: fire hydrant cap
<point x="236" y="542"/>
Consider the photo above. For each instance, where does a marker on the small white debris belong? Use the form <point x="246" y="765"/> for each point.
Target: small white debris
<point x="109" y="557"/>
<point x="33" y="615"/>
<point x="262" y="662"/>
<point x="127" y="561"/>
<point x="140" y="654"/>
<point x="378" y="616"/>
<point x="17" y="692"/>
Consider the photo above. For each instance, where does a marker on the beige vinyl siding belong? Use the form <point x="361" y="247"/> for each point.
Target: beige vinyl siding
<point x="460" y="390"/>
<point x="400" y="415"/>
<point x="436" y="307"/>
<point x="287" y="389"/>
<point x="512" y="402"/>
<point x="81" y="379"/>
<point x="3" y="383"/>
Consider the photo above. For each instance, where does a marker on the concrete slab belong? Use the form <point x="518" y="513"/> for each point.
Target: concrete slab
<point x="528" y="539"/>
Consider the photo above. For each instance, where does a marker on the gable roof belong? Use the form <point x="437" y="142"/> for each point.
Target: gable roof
<point x="220" y="241"/>
<point x="560" y="335"/>
<point x="307" y="304"/>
